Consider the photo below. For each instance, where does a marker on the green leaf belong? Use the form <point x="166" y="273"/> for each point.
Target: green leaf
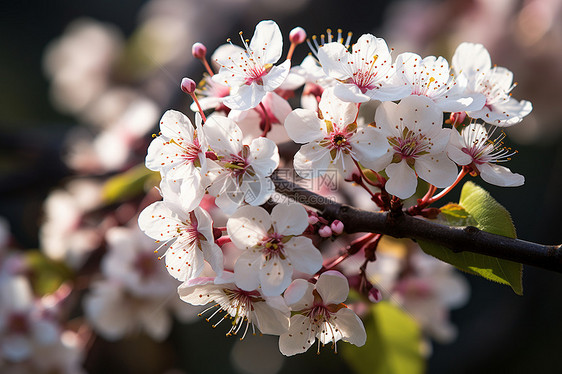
<point x="394" y="344"/>
<point x="478" y="208"/>
<point x="128" y="184"/>
<point x="46" y="275"/>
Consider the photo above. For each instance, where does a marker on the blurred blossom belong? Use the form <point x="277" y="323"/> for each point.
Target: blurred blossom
<point x="523" y="36"/>
<point x="426" y="288"/>
<point x="66" y="234"/>
<point x="137" y="292"/>
<point x="31" y="339"/>
<point x="79" y="63"/>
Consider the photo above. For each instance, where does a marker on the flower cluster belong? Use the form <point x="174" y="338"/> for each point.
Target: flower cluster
<point x="276" y="278"/>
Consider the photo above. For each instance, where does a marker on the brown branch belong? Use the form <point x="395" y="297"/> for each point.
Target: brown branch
<point x="458" y="239"/>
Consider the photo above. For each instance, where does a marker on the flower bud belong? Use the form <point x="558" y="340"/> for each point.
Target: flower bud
<point x="312" y="220"/>
<point x="375" y="295"/>
<point x="457" y="118"/>
<point x="198" y="50"/>
<point x="337" y="227"/>
<point x="297" y="35"/>
<point x="188" y="86"/>
<point x="325" y="232"/>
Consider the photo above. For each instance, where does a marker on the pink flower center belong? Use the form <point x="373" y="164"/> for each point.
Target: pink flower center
<point x="409" y="145"/>
<point x="273" y="246"/>
<point x="189" y="151"/>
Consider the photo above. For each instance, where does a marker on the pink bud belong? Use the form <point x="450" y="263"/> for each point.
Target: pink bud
<point x="375" y="295"/>
<point x="199" y="50"/>
<point x="457" y="118"/>
<point x="312" y="220"/>
<point x="325" y="232"/>
<point x="297" y="35"/>
<point x="188" y="86"/>
<point x="337" y="227"/>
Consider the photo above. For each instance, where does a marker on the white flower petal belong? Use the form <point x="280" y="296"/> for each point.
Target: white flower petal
<point x="276" y="76"/>
<point x="264" y="156"/>
<point x="402" y="180"/>
<point x="247" y="270"/>
<point x="500" y="176"/>
<point x="419" y="113"/>
<point x="339" y="112"/>
<point x="245" y="97"/>
<point x="333" y="58"/>
<point x="350" y="326"/>
<point x="436" y="169"/>
<point x="248" y="226"/>
<point x="298" y="295"/>
<point x="275" y="276"/>
<point x="289" y="219"/>
<point x="304" y="256"/>
<point x="312" y="160"/>
<point x="333" y="287"/>
<point x="304" y="126"/>
<point x="270" y="320"/>
<point x="224" y="135"/>
<point x="184" y="262"/>
<point x="213" y="255"/>
<point x="470" y="58"/>
<point x="299" y="337"/>
<point x="351" y="93"/>
<point x="267" y="42"/>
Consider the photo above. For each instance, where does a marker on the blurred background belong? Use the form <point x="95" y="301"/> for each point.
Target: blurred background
<point x="84" y="83"/>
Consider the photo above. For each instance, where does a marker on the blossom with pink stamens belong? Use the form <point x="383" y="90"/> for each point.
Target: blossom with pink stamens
<point x="250" y="73"/>
<point x="319" y="313"/>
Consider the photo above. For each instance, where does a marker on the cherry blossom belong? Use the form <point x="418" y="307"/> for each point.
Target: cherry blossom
<point x="269" y="314"/>
<point x="24" y="329"/>
<point x="211" y="95"/>
<point x="240" y="172"/>
<point x="431" y="77"/>
<point x="273" y="246"/>
<point x="366" y="73"/>
<point x="187" y="237"/>
<point x="475" y="148"/>
<point x="415" y="146"/>
<point x="319" y="313"/>
<point x="114" y="312"/>
<point x="473" y="62"/>
<point x="178" y="153"/>
<point x="250" y="73"/>
<point x="333" y="139"/>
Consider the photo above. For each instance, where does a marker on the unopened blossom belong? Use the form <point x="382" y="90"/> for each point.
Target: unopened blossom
<point x="415" y="145"/>
<point x="269" y="314"/>
<point x="250" y="73"/>
<point x="319" y="313"/>
<point x="240" y="172"/>
<point x="474" y="147"/>
<point x="178" y="153"/>
<point x="431" y="77"/>
<point x="366" y="73"/>
<point x="273" y="246"/>
<point x="331" y="138"/>
<point x="186" y="236"/>
<point x="472" y="61"/>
